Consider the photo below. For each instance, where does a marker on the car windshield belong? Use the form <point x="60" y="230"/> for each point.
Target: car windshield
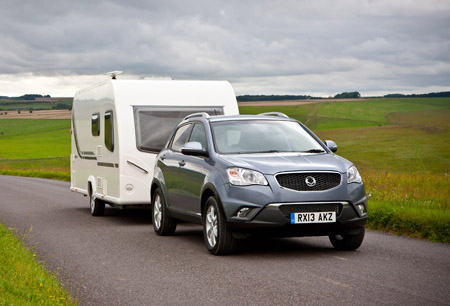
<point x="262" y="136"/>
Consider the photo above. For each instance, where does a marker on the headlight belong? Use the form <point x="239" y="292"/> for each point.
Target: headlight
<point x="244" y="177"/>
<point x="353" y="175"/>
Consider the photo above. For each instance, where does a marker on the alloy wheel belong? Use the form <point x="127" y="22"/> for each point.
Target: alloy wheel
<point x="211" y="226"/>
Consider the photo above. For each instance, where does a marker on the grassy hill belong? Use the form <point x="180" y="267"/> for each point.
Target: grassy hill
<point x="402" y="149"/>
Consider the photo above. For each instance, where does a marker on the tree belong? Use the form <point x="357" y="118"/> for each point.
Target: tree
<point x="348" y="95"/>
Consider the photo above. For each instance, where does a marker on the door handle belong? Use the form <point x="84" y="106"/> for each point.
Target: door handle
<point x="182" y="163"/>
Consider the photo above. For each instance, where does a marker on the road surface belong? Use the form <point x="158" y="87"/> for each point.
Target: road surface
<point x="118" y="260"/>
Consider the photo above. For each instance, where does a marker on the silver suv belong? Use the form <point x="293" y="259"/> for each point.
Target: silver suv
<point x="263" y="174"/>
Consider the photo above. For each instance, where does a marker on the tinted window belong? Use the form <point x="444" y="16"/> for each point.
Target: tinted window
<point x="181" y="137"/>
<point x="262" y="136"/>
<point x="198" y="134"/>
<point x="155" y="124"/>
<point x="95" y="124"/>
<point x="109" y="131"/>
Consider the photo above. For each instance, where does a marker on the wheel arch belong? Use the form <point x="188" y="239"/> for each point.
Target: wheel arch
<point x="155" y="185"/>
<point x="91" y="186"/>
<point x="208" y="191"/>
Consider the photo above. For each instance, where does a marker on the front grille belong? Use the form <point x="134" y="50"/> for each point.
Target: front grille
<point x="318" y="180"/>
<point x="287" y="209"/>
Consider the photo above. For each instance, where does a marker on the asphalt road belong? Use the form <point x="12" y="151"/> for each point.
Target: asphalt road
<point x="118" y="260"/>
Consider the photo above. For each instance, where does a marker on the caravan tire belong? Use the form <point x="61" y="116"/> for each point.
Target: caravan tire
<point x="97" y="205"/>
<point x="162" y="223"/>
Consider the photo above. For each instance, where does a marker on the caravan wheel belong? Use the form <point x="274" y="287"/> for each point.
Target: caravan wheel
<point x="97" y="206"/>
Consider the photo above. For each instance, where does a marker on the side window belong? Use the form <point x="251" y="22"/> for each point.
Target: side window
<point x="181" y="137"/>
<point x="198" y="134"/>
<point x="109" y="131"/>
<point x="95" y="124"/>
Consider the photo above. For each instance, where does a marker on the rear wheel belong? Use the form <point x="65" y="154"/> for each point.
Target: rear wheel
<point x="218" y="238"/>
<point x="162" y="223"/>
<point x="97" y="205"/>
<point x="347" y="241"/>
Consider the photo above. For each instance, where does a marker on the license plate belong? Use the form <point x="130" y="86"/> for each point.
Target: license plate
<point x="313" y="217"/>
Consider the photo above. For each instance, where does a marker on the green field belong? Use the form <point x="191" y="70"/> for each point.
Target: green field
<point x="35" y="148"/>
<point x="400" y="145"/>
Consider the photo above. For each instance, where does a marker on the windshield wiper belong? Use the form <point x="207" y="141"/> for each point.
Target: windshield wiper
<point x="314" y="151"/>
<point x="267" y="151"/>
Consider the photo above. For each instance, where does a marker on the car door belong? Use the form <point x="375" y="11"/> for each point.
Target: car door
<point x="172" y="161"/>
<point x="193" y="172"/>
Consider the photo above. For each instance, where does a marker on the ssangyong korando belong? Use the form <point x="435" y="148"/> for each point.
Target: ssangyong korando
<point x="262" y="174"/>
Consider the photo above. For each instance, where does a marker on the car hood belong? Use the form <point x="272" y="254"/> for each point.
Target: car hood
<point x="272" y="163"/>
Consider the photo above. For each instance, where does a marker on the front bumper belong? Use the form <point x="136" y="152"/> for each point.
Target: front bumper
<point x="273" y="219"/>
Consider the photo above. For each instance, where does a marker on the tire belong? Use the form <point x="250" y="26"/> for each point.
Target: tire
<point x="348" y="242"/>
<point x="97" y="205"/>
<point x="218" y="239"/>
<point x="162" y="223"/>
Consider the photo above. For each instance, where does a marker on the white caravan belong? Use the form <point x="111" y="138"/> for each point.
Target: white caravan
<point x="119" y="126"/>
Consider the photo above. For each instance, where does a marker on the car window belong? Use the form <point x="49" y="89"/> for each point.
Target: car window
<point x="255" y="136"/>
<point x="181" y="137"/>
<point x="198" y="134"/>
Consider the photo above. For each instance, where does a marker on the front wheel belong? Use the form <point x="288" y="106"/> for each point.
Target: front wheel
<point x="97" y="205"/>
<point x="347" y="241"/>
<point x="218" y="238"/>
<point x="162" y="223"/>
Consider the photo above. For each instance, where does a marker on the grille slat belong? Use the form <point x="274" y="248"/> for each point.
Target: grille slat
<point x="297" y="181"/>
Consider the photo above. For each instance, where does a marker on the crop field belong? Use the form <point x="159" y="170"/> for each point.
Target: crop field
<point x="400" y="145"/>
<point x="35" y="148"/>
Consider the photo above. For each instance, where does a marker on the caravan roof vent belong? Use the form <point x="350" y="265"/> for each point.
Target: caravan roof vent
<point x="113" y="74"/>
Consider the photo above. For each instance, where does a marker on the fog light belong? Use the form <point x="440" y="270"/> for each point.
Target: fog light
<point x="243" y="212"/>
<point x="362" y="208"/>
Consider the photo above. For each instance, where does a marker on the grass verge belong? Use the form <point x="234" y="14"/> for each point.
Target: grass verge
<point x="23" y="281"/>
<point x="42" y="174"/>
<point x="394" y="217"/>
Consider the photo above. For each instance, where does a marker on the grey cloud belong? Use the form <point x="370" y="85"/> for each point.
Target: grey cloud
<point x="264" y="41"/>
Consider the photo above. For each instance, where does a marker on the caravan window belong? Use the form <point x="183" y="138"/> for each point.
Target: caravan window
<point x="155" y="124"/>
<point x="109" y="131"/>
<point x="95" y="124"/>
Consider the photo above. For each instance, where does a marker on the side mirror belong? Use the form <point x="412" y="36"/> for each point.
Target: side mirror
<point x="331" y="145"/>
<point x="194" y="148"/>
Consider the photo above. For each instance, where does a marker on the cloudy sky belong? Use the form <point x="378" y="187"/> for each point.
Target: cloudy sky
<point x="315" y="47"/>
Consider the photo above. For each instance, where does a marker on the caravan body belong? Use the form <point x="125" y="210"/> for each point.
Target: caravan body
<point x="119" y="126"/>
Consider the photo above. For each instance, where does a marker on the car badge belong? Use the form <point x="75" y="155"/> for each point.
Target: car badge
<point x="310" y="181"/>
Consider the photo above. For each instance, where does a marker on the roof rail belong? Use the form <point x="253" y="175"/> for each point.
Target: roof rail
<point x="202" y="114"/>
<point x="278" y="114"/>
